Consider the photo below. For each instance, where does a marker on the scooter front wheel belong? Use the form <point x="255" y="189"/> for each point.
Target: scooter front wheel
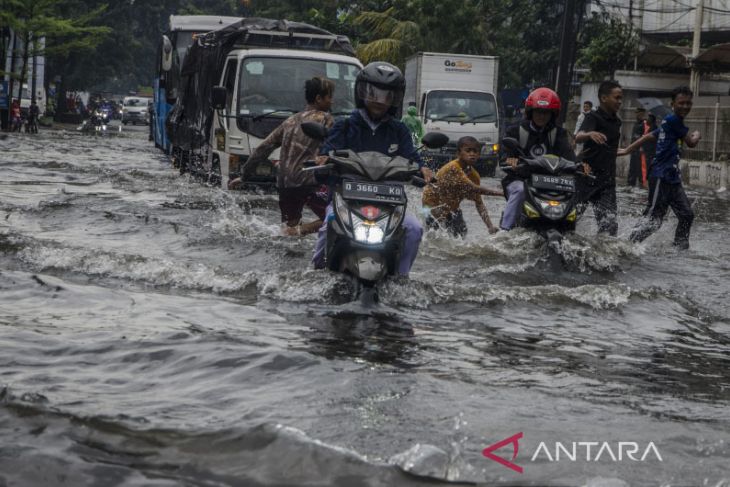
<point x="366" y="292"/>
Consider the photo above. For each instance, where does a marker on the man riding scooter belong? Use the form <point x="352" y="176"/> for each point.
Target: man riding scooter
<point x="379" y="90"/>
<point x="538" y="135"/>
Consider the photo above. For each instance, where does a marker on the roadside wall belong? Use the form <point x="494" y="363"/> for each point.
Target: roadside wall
<point x="702" y="174"/>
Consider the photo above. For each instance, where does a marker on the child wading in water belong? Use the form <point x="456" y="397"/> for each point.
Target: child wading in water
<point x="455" y="182"/>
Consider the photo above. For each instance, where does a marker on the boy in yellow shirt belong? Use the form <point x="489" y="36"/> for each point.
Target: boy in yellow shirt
<point x="455" y="182"/>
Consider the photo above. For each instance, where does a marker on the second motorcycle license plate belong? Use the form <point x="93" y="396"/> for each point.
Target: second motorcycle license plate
<point x="555" y="183"/>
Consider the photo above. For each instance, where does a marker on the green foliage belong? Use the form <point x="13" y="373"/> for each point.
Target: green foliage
<point x="392" y="39"/>
<point x="112" y="45"/>
<point x="609" y="44"/>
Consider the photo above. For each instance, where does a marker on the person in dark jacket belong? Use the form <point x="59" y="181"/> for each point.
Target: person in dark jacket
<point x="538" y="135"/>
<point x="379" y="90"/>
<point x="637" y="131"/>
<point x="600" y="134"/>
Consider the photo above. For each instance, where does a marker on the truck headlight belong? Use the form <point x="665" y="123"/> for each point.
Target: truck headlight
<point x="489" y="149"/>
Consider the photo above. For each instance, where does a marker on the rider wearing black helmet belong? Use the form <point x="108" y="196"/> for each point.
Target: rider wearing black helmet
<point x="379" y="90"/>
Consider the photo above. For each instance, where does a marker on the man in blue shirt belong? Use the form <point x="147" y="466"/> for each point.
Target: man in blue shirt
<point x="665" y="182"/>
<point x="379" y="91"/>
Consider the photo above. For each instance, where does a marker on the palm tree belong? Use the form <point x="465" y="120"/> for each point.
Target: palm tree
<point x="393" y="39"/>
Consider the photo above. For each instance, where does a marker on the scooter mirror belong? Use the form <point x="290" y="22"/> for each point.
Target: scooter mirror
<point x="315" y="130"/>
<point x="435" y="140"/>
<point x="166" y="60"/>
<point x="511" y="144"/>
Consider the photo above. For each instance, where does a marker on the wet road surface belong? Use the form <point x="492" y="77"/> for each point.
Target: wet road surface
<point x="156" y="331"/>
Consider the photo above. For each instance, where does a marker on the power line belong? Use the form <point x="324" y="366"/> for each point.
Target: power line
<point x="644" y="9"/>
<point x="668" y="25"/>
<point x="663" y="10"/>
<point x="718" y="11"/>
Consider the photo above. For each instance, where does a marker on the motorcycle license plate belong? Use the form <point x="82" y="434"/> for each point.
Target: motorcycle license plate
<point x="554" y="183"/>
<point x="390" y="193"/>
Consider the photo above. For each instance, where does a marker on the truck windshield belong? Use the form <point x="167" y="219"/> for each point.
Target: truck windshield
<point x="461" y="106"/>
<point x="275" y="85"/>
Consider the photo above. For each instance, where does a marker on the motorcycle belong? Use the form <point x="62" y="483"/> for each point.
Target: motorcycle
<point x="105" y="114"/>
<point x="364" y="238"/>
<point x="551" y="202"/>
<point x="94" y="125"/>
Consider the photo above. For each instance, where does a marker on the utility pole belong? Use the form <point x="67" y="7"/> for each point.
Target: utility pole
<point x="694" y="80"/>
<point x="567" y="55"/>
<point x="13" y="47"/>
<point x="639" y="29"/>
<point x="34" y="53"/>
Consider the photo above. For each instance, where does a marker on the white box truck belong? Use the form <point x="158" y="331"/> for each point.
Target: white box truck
<point x="241" y="82"/>
<point x="455" y="94"/>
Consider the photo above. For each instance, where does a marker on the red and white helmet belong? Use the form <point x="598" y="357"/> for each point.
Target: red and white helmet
<point x="543" y="99"/>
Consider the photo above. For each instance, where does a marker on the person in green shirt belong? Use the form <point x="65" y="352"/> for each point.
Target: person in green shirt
<point x="414" y="124"/>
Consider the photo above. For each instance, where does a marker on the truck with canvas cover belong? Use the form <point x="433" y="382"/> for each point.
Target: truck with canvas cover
<point x="241" y="82"/>
<point x="171" y="50"/>
<point x="454" y="94"/>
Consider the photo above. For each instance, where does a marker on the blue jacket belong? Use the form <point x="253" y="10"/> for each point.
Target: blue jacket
<point x="391" y="137"/>
<point x="670" y="138"/>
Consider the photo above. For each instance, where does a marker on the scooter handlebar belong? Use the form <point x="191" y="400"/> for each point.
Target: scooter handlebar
<point x="418" y="182"/>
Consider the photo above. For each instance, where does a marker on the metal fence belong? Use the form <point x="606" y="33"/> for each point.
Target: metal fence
<point x="713" y="122"/>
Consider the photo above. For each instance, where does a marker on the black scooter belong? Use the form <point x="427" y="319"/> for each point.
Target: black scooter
<point x="551" y="203"/>
<point x="364" y="239"/>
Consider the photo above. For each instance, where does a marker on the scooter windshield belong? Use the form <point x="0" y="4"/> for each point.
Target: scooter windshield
<point x="376" y="166"/>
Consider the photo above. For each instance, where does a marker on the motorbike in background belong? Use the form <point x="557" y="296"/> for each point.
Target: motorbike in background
<point x="364" y="239"/>
<point x="95" y="124"/>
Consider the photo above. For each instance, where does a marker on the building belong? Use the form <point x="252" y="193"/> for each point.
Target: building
<point x="666" y="60"/>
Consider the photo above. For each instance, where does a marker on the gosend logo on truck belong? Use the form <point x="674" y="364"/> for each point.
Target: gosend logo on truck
<point x="457" y="66"/>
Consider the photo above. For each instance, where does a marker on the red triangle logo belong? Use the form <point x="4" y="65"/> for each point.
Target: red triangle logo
<point x="514" y="441"/>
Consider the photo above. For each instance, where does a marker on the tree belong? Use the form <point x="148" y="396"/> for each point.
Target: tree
<point x="43" y="31"/>
<point x="392" y="39"/>
<point x="608" y="44"/>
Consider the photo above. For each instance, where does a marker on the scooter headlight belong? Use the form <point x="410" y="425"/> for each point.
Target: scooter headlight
<point x="367" y="231"/>
<point x="552" y="209"/>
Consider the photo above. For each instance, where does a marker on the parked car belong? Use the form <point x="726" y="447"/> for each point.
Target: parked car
<point x="135" y="110"/>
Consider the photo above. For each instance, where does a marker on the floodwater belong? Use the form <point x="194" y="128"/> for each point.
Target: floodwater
<point x="156" y="331"/>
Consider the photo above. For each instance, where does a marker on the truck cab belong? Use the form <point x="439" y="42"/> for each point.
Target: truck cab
<point x="263" y="88"/>
<point x="459" y="113"/>
<point x="454" y="94"/>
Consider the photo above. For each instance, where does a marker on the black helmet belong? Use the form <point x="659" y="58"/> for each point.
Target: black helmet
<point x="381" y="82"/>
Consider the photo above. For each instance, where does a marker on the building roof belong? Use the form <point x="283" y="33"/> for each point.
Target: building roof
<point x="715" y="59"/>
